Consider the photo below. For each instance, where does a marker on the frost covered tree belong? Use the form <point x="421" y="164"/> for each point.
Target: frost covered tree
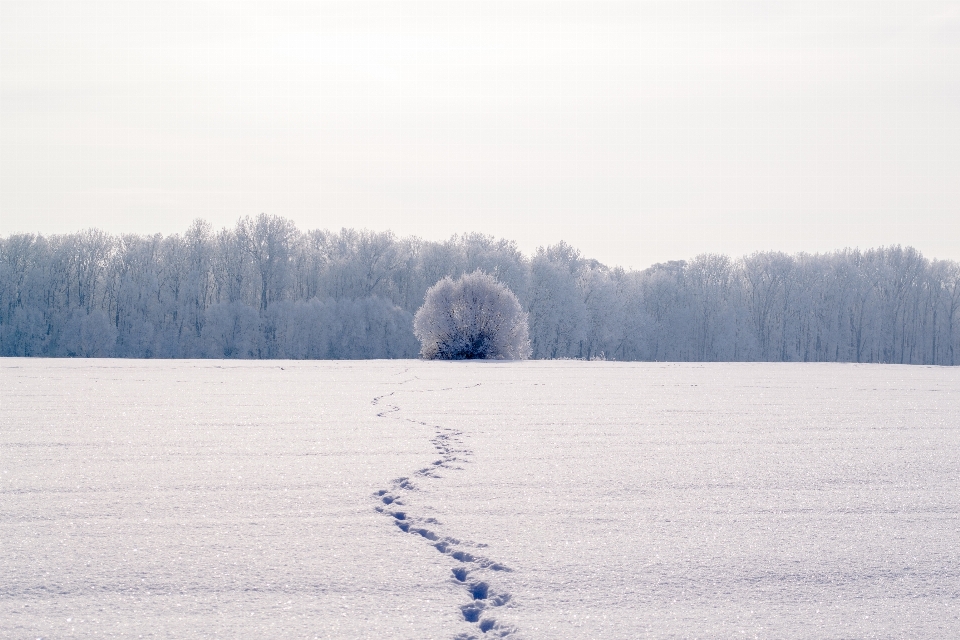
<point x="557" y="310"/>
<point x="269" y="291"/>
<point x="472" y="317"/>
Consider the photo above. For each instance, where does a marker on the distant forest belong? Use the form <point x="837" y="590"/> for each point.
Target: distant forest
<point x="265" y="289"/>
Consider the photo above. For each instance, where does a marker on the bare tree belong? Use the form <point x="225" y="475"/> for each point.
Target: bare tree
<point x="267" y="240"/>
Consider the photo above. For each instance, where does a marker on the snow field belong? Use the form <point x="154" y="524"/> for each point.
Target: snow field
<point x="200" y="499"/>
<point x="417" y="499"/>
<point x="721" y="500"/>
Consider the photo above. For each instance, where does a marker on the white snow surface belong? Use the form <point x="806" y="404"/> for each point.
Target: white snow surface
<point x="194" y="499"/>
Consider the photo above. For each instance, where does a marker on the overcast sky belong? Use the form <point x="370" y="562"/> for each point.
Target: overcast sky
<point x="637" y="131"/>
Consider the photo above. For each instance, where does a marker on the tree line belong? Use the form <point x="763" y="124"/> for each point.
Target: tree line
<point x="265" y="289"/>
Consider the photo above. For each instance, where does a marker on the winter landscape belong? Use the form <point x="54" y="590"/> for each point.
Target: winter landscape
<point x="460" y="319"/>
<point x="535" y="499"/>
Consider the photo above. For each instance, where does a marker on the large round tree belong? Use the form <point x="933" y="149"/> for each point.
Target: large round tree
<point x="472" y="317"/>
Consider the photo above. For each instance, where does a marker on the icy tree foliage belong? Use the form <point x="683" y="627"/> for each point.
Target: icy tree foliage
<point x="472" y="317"/>
<point x="265" y="289"/>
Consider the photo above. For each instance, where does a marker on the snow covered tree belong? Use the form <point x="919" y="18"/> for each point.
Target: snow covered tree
<point x="232" y="330"/>
<point x="88" y="335"/>
<point x="472" y="317"/>
<point x="557" y="311"/>
<point x="271" y="291"/>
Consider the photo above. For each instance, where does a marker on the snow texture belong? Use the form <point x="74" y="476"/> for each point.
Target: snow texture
<point x="408" y="499"/>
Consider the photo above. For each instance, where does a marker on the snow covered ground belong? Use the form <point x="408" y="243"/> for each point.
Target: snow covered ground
<point x="406" y="499"/>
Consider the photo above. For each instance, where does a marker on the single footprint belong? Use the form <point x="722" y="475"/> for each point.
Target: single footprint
<point x="479" y="590"/>
<point x="471" y="612"/>
<point x="487" y="624"/>
<point x="426" y="533"/>
<point x="499" y="599"/>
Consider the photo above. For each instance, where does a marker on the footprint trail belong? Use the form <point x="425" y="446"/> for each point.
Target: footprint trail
<point x="470" y="569"/>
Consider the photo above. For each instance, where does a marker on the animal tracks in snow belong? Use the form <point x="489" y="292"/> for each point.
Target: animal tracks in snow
<point x="473" y="571"/>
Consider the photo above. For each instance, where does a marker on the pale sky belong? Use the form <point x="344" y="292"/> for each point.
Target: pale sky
<point x="638" y="132"/>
